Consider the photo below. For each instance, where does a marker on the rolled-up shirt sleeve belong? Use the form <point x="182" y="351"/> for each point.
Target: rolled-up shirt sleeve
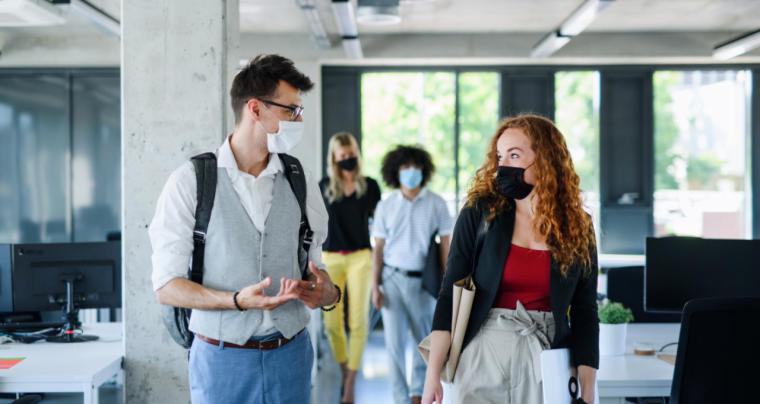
<point x="171" y="230"/>
<point x="378" y="222"/>
<point x="445" y="222"/>
<point x="316" y="212"/>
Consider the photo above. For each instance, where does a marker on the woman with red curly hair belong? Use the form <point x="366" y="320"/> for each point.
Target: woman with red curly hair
<point x="536" y="273"/>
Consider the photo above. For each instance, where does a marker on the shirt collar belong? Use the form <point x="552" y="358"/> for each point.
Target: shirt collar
<point x="225" y="159"/>
<point x="423" y="193"/>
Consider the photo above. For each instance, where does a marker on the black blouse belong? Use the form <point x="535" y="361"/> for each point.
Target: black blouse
<point x="348" y="226"/>
<point x="576" y="291"/>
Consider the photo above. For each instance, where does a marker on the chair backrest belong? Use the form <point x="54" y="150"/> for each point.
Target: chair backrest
<point x="557" y="372"/>
<point x="626" y="285"/>
<point x="718" y="356"/>
<point x="28" y="399"/>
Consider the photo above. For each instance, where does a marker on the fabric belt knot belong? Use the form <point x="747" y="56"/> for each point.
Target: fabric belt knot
<point x="533" y="335"/>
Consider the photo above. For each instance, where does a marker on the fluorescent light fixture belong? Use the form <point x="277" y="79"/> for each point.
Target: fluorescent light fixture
<point x="737" y="46"/>
<point x="353" y="48"/>
<point x="378" y="12"/>
<point x="573" y="25"/>
<point x="315" y="23"/>
<point x="549" y="44"/>
<point x="98" y="16"/>
<point x="582" y="17"/>
<point x="29" y="13"/>
<point x="345" y="18"/>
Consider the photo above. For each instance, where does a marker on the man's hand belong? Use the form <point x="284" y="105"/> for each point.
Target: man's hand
<point x="253" y="297"/>
<point x="318" y="290"/>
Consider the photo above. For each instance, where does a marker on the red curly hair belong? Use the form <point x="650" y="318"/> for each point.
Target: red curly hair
<point x="558" y="211"/>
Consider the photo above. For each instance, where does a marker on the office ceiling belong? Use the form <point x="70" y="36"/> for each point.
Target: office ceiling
<point x="482" y="16"/>
<point x="717" y="20"/>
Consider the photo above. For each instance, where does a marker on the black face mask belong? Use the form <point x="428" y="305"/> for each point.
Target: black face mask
<point x="348" y="164"/>
<point x="510" y="182"/>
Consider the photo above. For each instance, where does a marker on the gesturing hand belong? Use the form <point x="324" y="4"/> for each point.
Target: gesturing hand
<point x="318" y="290"/>
<point x="253" y="297"/>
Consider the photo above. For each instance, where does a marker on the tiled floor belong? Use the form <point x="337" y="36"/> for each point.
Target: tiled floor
<point x="373" y="385"/>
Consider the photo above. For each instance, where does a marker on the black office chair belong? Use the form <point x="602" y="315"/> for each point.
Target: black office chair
<point x="718" y="355"/>
<point x="626" y="285"/>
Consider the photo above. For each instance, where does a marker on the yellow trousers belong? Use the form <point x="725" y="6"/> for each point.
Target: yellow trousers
<point x="353" y="274"/>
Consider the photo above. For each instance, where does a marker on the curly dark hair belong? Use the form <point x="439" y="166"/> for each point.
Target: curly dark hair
<point x="403" y="155"/>
<point x="260" y="77"/>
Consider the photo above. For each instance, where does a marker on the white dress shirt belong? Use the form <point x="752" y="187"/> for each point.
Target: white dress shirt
<point x="407" y="226"/>
<point x="171" y="231"/>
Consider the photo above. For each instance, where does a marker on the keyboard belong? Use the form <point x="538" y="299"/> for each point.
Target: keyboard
<point x="28" y="327"/>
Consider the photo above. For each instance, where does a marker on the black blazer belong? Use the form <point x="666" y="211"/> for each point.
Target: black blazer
<point x="579" y="332"/>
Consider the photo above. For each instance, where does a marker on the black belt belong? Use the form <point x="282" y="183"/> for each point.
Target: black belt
<point x="411" y="274"/>
<point x="250" y="344"/>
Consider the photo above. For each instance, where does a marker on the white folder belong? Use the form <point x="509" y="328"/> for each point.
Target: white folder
<point x="558" y="373"/>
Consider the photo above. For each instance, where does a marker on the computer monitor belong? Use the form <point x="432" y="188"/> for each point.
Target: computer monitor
<point x="679" y="269"/>
<point x="38" y="273"/>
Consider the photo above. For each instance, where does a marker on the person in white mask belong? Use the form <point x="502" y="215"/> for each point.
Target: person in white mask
<point x="250" y="314"/>
<point x="403" y="226"/>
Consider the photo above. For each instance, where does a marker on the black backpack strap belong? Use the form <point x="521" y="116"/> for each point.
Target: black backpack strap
<point x="205" y="177"/>
<point x="297" y="178"/>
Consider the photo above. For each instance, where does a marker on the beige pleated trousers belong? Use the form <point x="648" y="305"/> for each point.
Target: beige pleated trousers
<point x="502" y="363"/>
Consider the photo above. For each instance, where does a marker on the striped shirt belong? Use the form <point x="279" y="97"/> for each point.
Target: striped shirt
<point x="407" y="226"/>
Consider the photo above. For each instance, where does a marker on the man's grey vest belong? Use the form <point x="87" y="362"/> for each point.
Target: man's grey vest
<point x="238" y="255"/>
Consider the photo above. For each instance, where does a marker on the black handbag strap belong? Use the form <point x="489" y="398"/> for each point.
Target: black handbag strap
<point x="205" y="178"/>
<point x="297" y="178"/>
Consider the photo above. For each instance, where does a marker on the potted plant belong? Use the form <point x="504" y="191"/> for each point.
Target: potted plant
<point x="613" y="319"/>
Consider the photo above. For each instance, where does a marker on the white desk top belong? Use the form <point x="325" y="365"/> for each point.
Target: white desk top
<point x="634" y="375"/>
<point x="58" y="364"/>
<point x="621" y="260"/>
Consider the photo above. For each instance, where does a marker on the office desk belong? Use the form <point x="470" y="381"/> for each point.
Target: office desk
<point x="638" y="376"/>
<point x="58" y="368"/>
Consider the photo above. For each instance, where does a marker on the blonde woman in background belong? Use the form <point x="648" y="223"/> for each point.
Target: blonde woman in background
<point x="351" y="199"/>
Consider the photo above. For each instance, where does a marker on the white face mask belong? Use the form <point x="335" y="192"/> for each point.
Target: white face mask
<point x="286" y="138"/>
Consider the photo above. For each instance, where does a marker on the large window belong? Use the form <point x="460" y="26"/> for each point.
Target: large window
<point x="676" y="140"/>
<point x="478" y="117"/>
<point x="60" y="147"/>
<point x="419" y="108"/>
<point x="577" y="117"/>
<point x="700" y="142"/>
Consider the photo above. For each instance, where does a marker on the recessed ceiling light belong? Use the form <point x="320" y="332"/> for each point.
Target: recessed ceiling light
<point x="377" y="15"/>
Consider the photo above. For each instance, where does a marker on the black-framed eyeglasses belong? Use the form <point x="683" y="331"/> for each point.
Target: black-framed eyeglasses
<point x="296" y="111"/>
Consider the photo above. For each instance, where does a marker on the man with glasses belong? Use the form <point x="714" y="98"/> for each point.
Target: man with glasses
<point x="250" y="313"/>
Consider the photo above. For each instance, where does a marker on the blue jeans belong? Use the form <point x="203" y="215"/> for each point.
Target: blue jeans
<point x="407" y="308"/>
<point x="222" y="375"/>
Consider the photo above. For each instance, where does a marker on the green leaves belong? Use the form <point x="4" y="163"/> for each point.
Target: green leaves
<point x="614" y="313"/>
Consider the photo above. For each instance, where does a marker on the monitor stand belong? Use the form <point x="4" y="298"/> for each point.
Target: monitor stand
<point x="71" y="317"/>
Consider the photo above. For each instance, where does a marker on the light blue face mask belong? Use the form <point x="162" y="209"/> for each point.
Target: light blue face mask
<point x="410" y="177"/>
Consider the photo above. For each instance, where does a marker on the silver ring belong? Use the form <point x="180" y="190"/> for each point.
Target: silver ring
<point x="313" y="286"/>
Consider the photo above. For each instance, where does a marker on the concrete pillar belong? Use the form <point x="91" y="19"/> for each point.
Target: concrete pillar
<point x="177" y="61"/>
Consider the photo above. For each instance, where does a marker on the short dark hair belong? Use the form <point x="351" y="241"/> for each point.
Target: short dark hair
<point x="259" y="78"/>
<point x="403" y="155"/>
